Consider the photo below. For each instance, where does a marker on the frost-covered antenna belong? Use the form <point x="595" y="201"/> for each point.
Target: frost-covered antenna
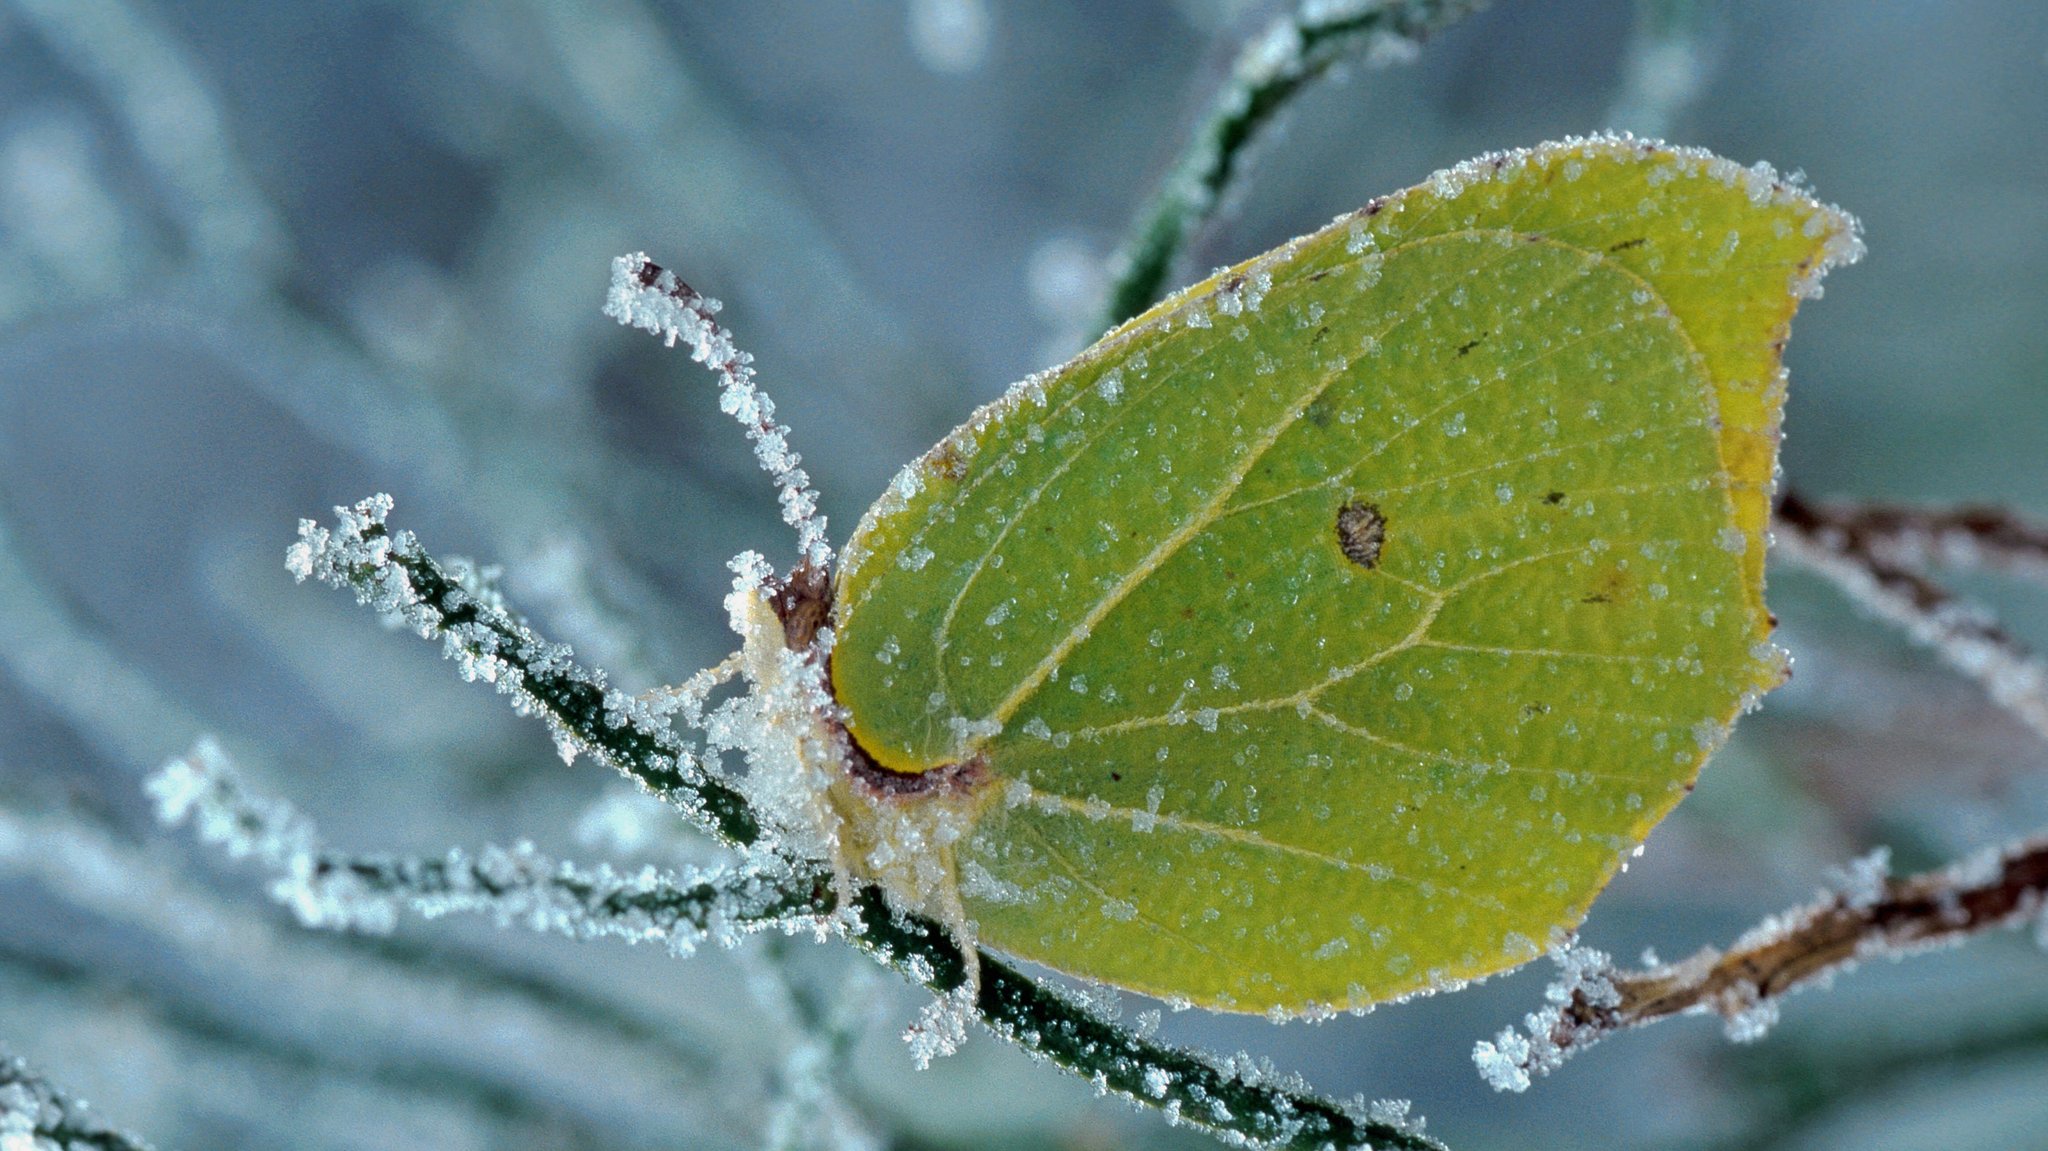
<point x="650" y="297"/>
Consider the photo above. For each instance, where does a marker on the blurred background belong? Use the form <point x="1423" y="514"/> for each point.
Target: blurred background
<point x="260" y="259"/>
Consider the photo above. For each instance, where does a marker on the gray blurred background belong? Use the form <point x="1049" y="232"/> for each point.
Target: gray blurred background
<point x="260" y="259"/>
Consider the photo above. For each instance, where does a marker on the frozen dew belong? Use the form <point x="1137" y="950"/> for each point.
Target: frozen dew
<point x="1120" y="910"/>
<point x="1512" y="1060"/>
<point x="1864" y="881"/>
<point x="1111" y="386"/>
<point x="940" y="1027"/>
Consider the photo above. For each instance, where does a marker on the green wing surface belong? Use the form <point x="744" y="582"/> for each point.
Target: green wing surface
<point x="1333" y="631"/>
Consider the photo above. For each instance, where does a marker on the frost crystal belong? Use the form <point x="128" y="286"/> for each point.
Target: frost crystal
<point x="1864" y="882"/>
<point x="36" y="1116"/>
<point x="1512" y="1061"/>
<point x="515" y="886"/>
<point x="940" y="1027"/>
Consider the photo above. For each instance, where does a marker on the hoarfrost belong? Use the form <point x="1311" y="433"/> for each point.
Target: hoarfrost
<point x="516" y="886"/>
<point x="35" y="1115"/>
<point x="1864" y="882"/>
<point x="940" y="1027"/>
<point x="1512" y="1060"/>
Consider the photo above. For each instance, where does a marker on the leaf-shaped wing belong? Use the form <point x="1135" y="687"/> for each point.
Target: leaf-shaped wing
<point x="1333" y="630"/>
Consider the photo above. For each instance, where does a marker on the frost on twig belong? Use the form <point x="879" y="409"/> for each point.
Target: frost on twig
<point x="1877" y="556"/>
<point x="1274" y="66"/>
<point x="647" y="296"/>
<point x="1244" y="1101"/>
<point x="1868" y="915"/>
<point x="35" y="1116"/>
<point x="393" y="575"/>
<point x="518" y="885"/>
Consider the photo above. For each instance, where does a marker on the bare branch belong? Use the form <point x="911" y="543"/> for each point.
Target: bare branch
<point x="1872" y="915"/>
<point x="1966" y="537"/>
<point x="393" y="575"/>
<point x="519" y="885"/>
<point x="1868" y="553"/>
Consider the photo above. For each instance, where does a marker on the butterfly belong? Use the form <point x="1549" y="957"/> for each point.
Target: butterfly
<point x="1333" y="631"/>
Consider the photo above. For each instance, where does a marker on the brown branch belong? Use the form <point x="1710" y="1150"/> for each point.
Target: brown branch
<point x="1870" y="553"/>
<point x="1965" y="537"/>
<point x="1873" y="916"/>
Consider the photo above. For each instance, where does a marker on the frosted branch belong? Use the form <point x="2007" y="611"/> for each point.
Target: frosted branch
<point x="1869" y="915"/>
<point x="35" y="1115"/>
<point x="647" y="296"/>
<point x="1965" y="538"/>
<point x="1241" y="1101"/>
<point x="518" y="886"/>
<point x="393" y="575"/>
<point x="1272" y="68"/>
<point x="1872" y="555"/>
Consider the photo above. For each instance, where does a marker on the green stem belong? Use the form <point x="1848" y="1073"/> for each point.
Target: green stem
<point x="1273" y="67"/>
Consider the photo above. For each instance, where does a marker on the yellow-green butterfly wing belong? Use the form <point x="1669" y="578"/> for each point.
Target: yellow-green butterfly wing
<point x="1333" y="631"/>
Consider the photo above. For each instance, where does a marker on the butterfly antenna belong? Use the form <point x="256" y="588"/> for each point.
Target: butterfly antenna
<point x="647" y="296"/>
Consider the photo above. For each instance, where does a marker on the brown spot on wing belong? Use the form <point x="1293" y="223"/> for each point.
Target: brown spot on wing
<point x="1361" y="531"/>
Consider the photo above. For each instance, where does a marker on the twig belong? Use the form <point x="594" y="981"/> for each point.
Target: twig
<point x="516" y="885"/>
<point x="1872" y="915"/>
<point x="394" y="576"/>
<point x="391" y="572"/>
<point x="1272" y="68"/>
<point x="647" y="296"/>
<point x="1867" y="553"/>
<point x="34" y="1114"/>
<point x="1971" y="536"/>
<point x="386" y="1004"/>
